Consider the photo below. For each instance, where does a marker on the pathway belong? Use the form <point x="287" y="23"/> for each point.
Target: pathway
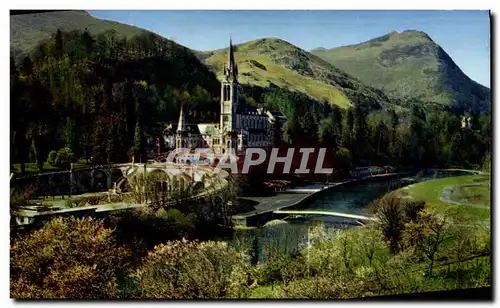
<point x="446" y="194"/>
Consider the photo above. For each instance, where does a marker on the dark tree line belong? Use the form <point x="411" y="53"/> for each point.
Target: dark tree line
<point x="413" y="137"/>
<point x="103" y="97"/>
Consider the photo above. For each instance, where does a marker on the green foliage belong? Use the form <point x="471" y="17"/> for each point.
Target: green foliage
<point x="137" y="150"/>
<point x="486" y="163"/>
<point x="33" y="154"/>
<point x="394" y="211"/>
<point x="64" y="156"/>
<point x="183" y="221"/>
<point x="28" y="29"/>
<point x="100" y="85"/>
<point x="67" y="258"/>
<point x="192" y="270"/>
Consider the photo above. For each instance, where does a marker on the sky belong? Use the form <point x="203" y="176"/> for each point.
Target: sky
<point x="464" y="35"/>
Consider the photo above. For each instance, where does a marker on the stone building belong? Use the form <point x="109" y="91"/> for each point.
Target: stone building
<point x="240" y="126"/>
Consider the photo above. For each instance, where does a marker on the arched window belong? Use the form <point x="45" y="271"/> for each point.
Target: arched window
<point x="227" y="94"/>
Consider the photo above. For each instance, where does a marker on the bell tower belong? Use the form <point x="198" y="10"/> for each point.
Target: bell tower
<point x="182" y="133"/>
<point x="229" y="94"/>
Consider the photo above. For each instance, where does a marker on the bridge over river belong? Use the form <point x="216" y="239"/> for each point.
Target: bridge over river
<point x="323" y="212"/>
<point x="126" y="178"/>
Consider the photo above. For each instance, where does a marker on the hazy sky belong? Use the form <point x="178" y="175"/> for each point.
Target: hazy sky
<point x="464" y="35"/>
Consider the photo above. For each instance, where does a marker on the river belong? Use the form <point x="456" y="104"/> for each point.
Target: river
<point x="290" y="234"/>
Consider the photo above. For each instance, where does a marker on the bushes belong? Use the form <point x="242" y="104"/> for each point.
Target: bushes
<point x="51" y="159"/>
<point x="188" y="270"/>
<point x="393" y="212"/>
<point x="282" y="268"/>
<point x="62" y="158"/>
<point x="67" y="258"/>
<point x="94" y="200"/>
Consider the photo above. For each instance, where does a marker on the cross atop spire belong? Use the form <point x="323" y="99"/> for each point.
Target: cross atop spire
<point x="231" y="69"/>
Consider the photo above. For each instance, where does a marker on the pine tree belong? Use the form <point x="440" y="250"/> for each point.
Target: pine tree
<point x="277" y="134"/>
<point x="33" y="153"/>
<point x="138" y="140"/>
<point x="27" y="67"/>
<point x="58" y="44"/>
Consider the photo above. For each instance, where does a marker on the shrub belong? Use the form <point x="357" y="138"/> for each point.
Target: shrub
<point x="325" y="287"/>
<point x="64" y="157"/>
<point x="428" y="235"/>
<point x="95" y="200"/>
<point x="188" y="269"/>
<point x="391" y="219"/>
<point x="177" y="218"/>
<point x="51" y="159"/>
<point x="69" y="203"/>
<point x="283" y="268"/>
<point x="393" y="212"/>
<point x="66" y="258"/>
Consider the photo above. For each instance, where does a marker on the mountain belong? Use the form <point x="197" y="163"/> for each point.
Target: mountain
<point x="262" y="63"/>
<point x="27" y="30"/>
<point x="274" y="62"/>
<point x="410" y="64"/>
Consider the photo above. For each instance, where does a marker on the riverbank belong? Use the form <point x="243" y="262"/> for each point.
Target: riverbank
<point x="436" y="194"/>
<point x="264" y="210"/>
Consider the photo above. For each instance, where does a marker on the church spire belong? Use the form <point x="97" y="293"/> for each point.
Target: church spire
<point x="181" y="126"/>
<point x="231" y="70"/>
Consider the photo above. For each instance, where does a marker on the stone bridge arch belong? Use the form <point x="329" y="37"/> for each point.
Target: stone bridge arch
<point x="100" y="178"/>
<point x="115" y="175"/>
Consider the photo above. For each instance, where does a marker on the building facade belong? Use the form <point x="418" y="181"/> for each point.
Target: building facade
<point x="240" y="126"/>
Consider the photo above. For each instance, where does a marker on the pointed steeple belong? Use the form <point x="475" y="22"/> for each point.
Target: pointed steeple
<point x="231" y="69"/>
<point x="181" y="126"/>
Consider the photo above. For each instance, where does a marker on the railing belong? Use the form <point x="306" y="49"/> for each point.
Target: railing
<point x="327" y="213"/>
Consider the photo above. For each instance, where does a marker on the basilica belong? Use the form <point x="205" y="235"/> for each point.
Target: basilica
<point x="240" y="126"/>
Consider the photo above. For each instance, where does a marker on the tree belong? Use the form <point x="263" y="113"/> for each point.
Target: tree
<point x="277" y="132"/>
<point x="70" y="134"/>
<point x="67" y="258"/>
<point x="27" y="67"/>
<point x="392" y="217"/>
<point x="343" y="159"/>
<point x="428" y="234"/>
<point x="51" y="158"/>
<point x="192" y="270"/>
<point x="58" y="44"/>
<point x="33" y="153"/>
<point x="138" y="140"/>
<point x="361" y="147"/>
<point x="64" y="157"/>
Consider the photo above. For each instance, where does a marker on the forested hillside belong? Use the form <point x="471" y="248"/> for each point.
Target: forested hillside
<point x="101" y="96"/>
<point x="26" y="30"/>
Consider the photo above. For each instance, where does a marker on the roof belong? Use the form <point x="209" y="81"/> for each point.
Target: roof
<point x="247" y="109"/>
<point x="277" y="113"/>
<point x="190" y="128"/>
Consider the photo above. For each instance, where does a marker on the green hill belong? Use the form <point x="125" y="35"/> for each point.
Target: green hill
<point x="409" y="65"/>
<point x="27" y="30"/>
<point x="272" y="61"/>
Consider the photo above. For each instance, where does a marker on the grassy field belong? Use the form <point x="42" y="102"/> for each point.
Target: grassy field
<point x="256" y="67"/>
<point x="477" y="195"/>
<point x="269" y="61"/>
<point x="430" y="192"/>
